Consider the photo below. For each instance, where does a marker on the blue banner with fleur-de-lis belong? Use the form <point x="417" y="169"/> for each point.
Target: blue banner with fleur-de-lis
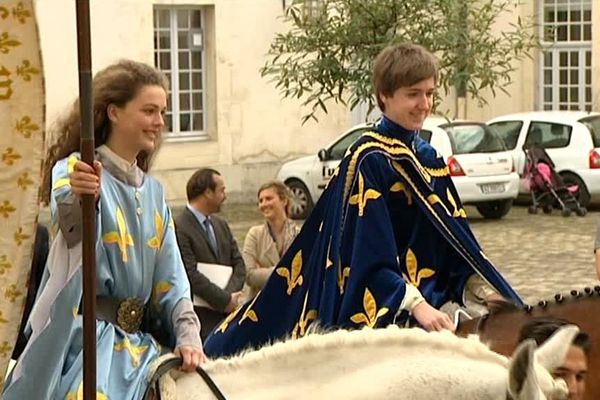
<point x="389" y="216"/>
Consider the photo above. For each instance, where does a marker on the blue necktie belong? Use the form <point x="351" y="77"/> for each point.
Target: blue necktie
<point x="211" y="235"/>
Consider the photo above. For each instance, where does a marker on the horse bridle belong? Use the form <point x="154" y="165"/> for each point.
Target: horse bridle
<point x="171" y="363"/>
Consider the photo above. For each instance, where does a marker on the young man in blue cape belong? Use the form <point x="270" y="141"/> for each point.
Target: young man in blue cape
<point x="388" y="241"/>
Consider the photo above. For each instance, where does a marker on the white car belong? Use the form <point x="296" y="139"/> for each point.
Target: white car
<point x="571" y="139"/>
<point x="479" y="164"/>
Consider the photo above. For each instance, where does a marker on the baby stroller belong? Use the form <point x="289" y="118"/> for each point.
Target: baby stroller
<point x="547" y="188"/>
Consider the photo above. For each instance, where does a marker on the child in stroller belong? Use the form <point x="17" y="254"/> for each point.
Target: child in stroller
<point x="547" y="188"/>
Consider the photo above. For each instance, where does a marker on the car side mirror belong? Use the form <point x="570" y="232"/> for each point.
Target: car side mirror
<point x="323" y="155"/>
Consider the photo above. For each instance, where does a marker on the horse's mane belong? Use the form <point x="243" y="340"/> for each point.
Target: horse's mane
<point x="502" y="307"/>
<point x="351" y="340"/>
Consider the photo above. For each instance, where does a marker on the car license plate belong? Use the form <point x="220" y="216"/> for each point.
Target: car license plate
<point x="490" y="188"/>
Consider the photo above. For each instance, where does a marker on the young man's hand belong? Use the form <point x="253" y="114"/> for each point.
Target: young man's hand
<point x="432" y="319"/>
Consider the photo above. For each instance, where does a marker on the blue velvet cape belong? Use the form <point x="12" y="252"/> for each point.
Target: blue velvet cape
<point x="389" y="215"/>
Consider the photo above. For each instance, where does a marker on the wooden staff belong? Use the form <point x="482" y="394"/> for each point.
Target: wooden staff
<point x="88" y="206"/>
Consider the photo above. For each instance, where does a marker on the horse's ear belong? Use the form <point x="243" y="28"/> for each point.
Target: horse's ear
<point x="551" y="354"/>
<point x="522" y="381"/>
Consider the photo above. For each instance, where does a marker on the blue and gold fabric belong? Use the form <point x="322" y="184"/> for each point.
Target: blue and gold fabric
<point x="390" y="215"/>
<point x="136" y="257"/>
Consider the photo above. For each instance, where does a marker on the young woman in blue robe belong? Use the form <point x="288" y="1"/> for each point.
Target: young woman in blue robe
<point x="388" y="241"/>
<point x="139" y="268"/>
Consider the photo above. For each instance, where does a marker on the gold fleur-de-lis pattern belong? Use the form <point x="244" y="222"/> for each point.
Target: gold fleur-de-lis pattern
<point x="121" y="236"/>
<point x="155" y="242"/>
<point x="10" y="156"/>
<point x="225" y="324"/>
<point x="293" y="276"/>
<point x="21" y="150"/>
<point x="5" y="348"/>
<point x="456" y="212"/>
<point x="135" y="352"/>
<point x="160" y="289"/>
<point x="6" y="90"/>
<point x="71" y="161"/>
<point x="343" y="274"/>
<point x="6" y="42"/>
<point x="26" y="127"/>
<point x="401" y="187"/>
<point x="20" y="236"/>
<point x="3" y="320"/>
<point x="306" y="317"/>
<point x="78" y="394"/>
<point x="6" y="208"/>
<point x="24" y="181"/>
<point x="371" y="314"/>
<point x="20" y="11"/>
<point x="363" y="196"/>
<point x="415" y="273"/>
<point x="26" y="70"/>
<point x="12" y="293"/>
<point x="5" y="265"/>
<point x="250" y="314"/>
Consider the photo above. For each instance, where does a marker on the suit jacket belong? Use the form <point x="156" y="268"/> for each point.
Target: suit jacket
<point x="195" y="247"/>
<point x="261" y="255"/>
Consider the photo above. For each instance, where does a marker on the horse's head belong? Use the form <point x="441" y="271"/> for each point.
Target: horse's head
<point x="529" y="372"/>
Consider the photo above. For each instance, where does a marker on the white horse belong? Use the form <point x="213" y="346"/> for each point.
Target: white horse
<point x="389" y="363"/>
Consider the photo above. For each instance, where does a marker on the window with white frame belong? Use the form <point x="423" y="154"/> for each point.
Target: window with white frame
<point x="179" y="53"/>
<point x="312" y="8"/>
<point x="566" y="62"/>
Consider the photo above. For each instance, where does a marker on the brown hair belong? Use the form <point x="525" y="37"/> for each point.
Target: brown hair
<point x="201" y="181"/>
<point x="282" y="191"/>
<point x="399" y="66"/>
<point x="116" y="84"/>
<point x="540" y="329"/>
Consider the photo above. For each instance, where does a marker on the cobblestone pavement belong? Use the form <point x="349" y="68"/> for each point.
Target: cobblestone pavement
<point x="539" y="254"/>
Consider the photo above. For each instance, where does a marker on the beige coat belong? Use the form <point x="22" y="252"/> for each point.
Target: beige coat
<point x="261" y="255"/>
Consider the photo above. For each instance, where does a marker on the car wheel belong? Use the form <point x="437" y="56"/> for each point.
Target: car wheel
<point x="583" y="196"/>
<point x="302" y="203"/>
<point x="494" y="209"/>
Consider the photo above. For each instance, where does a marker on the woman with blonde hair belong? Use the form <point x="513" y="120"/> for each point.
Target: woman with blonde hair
<point x="266" y="243"/>
<point x="140" y="279"/>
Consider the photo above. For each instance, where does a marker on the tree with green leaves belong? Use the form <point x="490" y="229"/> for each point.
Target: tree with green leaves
<point x="326" y="54"/>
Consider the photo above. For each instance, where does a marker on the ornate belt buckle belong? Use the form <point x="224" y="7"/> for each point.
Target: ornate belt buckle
<point x="129" y="314"/>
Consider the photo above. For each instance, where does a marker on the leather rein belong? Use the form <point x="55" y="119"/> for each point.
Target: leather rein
<point x="171" y="363"/>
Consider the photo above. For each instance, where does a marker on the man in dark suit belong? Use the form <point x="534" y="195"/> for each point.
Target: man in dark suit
<point x="204" y="237"/>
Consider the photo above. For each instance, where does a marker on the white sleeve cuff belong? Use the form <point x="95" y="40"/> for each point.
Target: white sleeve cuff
<point x="412" y="298"/>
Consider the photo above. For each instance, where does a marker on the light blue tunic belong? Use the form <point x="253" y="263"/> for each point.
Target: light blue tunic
<point x="137" y="256"/>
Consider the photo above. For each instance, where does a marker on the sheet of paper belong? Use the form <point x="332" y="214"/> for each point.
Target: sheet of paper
<point x="218" y="274"/>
